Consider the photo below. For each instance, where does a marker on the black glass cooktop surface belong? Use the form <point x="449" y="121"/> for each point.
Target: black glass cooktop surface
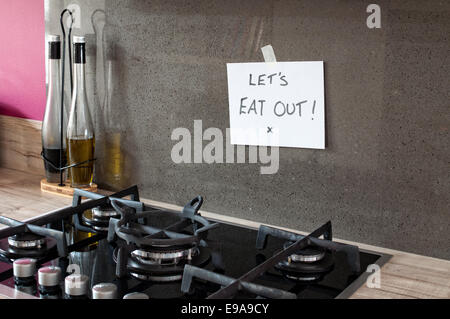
<point x="233" y="253"/>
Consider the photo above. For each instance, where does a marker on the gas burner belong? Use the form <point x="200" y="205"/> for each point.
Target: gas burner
<point x="104" y="211"/>
<point x="98" y="217"/>
<point x="159" y="254"/>
<point x="34" y="240"/>
<point x="26" y="241"/>
<point x="307" y="255"/>
<point x="170" y="257"/>
<point x="163" y="266"/>
<point x="37" y="248"/>
<point x="307" y="264"/>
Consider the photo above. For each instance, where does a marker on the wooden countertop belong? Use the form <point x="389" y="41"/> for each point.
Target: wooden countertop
<point x="405" y="275"/>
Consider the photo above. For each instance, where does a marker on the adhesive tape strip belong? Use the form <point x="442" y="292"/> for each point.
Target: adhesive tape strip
<point x="268" y="53"/>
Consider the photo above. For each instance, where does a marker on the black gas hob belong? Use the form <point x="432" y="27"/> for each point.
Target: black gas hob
<point x="179" y="254"/>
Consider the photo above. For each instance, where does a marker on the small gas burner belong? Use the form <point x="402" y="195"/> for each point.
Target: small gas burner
<point x="26" y="241"/>
<point x="306" y="255"/>
<point x="306" y="265"/>
<point x="26" y="245"/>
<point x="159" y="254"/>
<point x="315" y="260"/>
<point x="98" y="217"/>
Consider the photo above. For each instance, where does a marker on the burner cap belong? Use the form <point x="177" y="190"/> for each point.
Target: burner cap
<point x="309" y="254"/>
<point x="104" y="211"/>
<point x="26" y="241"/>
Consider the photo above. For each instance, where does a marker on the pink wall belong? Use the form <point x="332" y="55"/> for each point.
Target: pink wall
<point x="22" y="58"/>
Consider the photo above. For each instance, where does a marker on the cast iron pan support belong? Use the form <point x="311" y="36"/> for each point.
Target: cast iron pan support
<point x="78" y="194"/>
<point x="191" y="271"/>
<point x="351" y="251"/>
<point x="236" y="285"/>
<point x="146" y="235"/>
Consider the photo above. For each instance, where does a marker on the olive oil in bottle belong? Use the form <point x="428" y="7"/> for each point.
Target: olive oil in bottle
<point x="80" y="129"/>
<point x="81" y="150"/>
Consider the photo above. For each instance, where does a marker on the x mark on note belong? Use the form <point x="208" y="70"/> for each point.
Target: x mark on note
<point x="269" y="129"/>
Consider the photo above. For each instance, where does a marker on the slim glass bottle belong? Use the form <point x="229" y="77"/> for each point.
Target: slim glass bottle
<point x="52" y="137"/>
<point x="80" y="129"/>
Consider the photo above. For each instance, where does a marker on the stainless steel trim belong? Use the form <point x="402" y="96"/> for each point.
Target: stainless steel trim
<point x="359" y="282"/>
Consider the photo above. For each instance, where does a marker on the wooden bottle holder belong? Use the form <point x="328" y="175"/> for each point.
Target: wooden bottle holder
<point x="65" y="190"/>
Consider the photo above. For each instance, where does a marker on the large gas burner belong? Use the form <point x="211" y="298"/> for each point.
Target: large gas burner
<point x="159" y="254"/>
<point x="172" y="257"/>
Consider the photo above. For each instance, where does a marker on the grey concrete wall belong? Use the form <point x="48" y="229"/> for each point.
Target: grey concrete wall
<point x="383" y="178"/>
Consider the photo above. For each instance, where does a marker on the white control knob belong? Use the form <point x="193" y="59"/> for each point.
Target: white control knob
<point x="49" y="276"/>
<point x="104" y="291"/>
<point x="24" y="267"/>
<point x="76" y="285"/>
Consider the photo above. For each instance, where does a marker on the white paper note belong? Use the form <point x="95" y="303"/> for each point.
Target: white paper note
<point x="277" y="104"/>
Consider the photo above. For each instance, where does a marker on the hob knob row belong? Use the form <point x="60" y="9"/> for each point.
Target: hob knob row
<point x="75" y="285"/>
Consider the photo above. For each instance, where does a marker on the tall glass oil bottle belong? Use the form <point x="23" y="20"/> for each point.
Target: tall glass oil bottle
<point x="114" y="165"/>
<point x="80" y="128"/>
<point x="53" y="140"/>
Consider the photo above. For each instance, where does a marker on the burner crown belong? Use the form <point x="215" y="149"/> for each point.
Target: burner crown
<point x="26" y="241"/>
